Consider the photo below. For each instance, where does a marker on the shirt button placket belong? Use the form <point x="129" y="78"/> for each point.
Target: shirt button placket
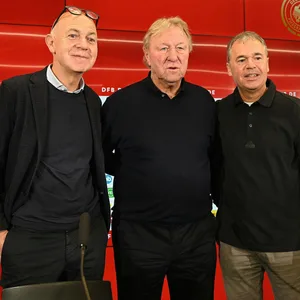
<point x="250" y="144"/>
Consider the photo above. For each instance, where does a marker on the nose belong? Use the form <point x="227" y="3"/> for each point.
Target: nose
<point x="250" y="63"/>
<point x="172" y="54"/>
<point x="82" y="43"/>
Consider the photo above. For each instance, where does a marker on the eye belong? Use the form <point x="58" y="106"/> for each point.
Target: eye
<point x="180" y="48"/>
<point x="91" y="40"/>
<point x="73" y="36"/>
<point x="241" y="60"/>
<point x="258" y="57"/>
<point x="164" y="49"/>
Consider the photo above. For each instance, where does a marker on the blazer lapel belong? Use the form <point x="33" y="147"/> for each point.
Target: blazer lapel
<point x="95" y="119"/>
<point x="94" y="114"/>
<point x="39" y="98"/>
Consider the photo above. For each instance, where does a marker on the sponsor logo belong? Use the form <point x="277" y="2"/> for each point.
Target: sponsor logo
<point x="108" y="178"/>
<point x="111" y="89"/>
<point x="290" y="15"/>
<point x="110" y="195"/>
<point x="291" y="93"/>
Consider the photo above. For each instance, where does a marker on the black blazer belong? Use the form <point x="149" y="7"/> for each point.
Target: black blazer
<point x="23" y="128"/>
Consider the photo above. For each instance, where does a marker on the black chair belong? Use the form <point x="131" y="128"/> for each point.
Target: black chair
<point x="68" y="290"/>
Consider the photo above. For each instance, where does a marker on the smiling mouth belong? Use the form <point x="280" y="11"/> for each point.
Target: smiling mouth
<point x="251" y="75"/>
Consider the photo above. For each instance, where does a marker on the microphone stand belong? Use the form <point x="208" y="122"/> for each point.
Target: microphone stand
<point x="86" y="290"/>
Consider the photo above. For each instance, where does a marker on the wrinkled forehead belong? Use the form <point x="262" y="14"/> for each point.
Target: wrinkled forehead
<point x="251" y="44"/>
<point x="172" y="34"/>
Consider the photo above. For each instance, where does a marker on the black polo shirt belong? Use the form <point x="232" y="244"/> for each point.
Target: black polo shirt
<point x="260" y="198"/>
<point x="161" y="161"/>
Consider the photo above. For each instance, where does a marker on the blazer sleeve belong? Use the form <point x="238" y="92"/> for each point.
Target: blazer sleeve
<point x="6" y="128"/>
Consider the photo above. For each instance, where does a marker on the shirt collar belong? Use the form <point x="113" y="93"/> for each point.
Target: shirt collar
<point x="57" y="84"/>
<point x="265" y="100"/>
<point x="156" y="90"/>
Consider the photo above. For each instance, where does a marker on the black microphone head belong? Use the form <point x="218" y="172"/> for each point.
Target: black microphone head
<point x="84" y="229"/>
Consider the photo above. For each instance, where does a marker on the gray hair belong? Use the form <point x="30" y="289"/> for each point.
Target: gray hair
<point x="162" y="24"/>
<point x="244" y="36"/>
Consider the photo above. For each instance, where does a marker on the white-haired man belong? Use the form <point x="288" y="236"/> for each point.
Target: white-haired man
<point x="157" y="138"/>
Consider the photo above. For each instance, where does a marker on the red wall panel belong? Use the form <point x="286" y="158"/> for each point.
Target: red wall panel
<point x="30" y="12"/>
<point x="265" y="18"/>
<point x="203" y="17"/>
<point x="119" y="62"/>
<point x="123" y="23"/>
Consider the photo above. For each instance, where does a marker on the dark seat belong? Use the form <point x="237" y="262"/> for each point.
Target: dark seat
<point x="69" y="290"/>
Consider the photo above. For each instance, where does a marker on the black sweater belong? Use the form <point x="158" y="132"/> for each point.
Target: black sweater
<point x="62" y="188"/>
<point x="161" y="152"/>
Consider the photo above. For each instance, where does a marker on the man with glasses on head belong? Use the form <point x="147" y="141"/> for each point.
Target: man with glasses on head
<point x="51" y="162"/>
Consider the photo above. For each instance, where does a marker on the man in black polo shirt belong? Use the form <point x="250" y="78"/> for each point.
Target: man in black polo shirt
<point x="51" y="162"/>
<point x="157" y="138"/>
<point x="259" y="207"/>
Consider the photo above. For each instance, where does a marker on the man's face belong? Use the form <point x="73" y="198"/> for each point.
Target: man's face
<point x="73" y="43"/>
<point x="249" y="65"/>
<point x="168" y="55"/>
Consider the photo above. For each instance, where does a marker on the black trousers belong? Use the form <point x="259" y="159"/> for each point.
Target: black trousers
<point x="147" y="252"/>
<point x="31" y="257"/>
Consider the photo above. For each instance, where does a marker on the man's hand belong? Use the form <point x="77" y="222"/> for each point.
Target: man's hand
<point x="3" y="234"/>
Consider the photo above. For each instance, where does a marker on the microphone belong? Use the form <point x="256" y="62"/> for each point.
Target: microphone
<point x="83" y="237"/>
<point x="84" y="229"/>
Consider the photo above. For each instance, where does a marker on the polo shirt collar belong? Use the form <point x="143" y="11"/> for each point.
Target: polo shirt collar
<point x="265" y="100"/>
<point x="150" y="84"/>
